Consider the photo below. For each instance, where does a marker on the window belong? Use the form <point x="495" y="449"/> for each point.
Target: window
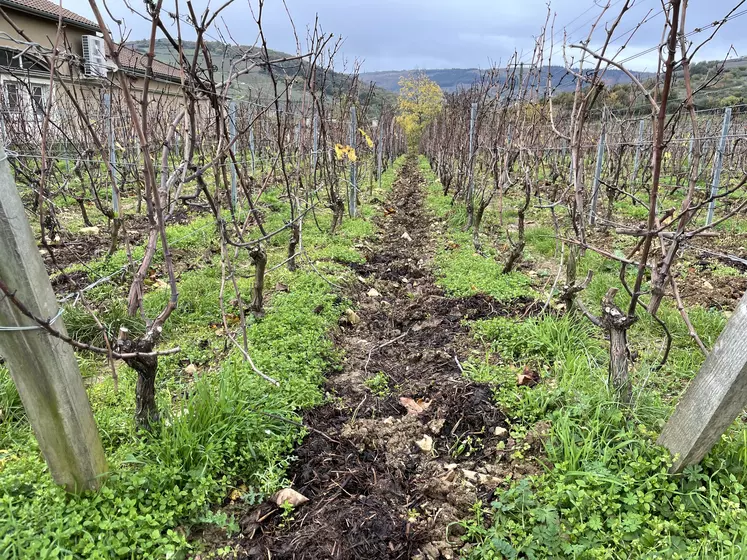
<point x="37" y="99"/>
<point x="12" y="97"/>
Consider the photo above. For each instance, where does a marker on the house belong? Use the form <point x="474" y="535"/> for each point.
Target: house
<point x="84" y="71"/>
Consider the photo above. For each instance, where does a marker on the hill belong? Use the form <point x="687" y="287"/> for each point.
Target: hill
<point x="453" y="79"/>
<point x="725" y="87"/>
<point x="257" y="82"/>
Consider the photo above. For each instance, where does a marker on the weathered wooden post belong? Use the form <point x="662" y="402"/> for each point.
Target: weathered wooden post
<point x="716" y="396"/>
<point x="43" y="368"/>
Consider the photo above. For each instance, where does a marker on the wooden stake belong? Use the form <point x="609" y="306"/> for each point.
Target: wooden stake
<point x="43" y="368"/>
<point x="716" y="396"/>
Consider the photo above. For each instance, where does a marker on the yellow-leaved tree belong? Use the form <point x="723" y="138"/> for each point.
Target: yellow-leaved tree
<point x="420" y="100"/>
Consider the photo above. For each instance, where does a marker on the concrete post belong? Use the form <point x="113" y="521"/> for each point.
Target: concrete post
<point x="353" y="190"/>
<point x="232" y="137"/>
<point x="112" y="153"/>
<point x="597" y="175"/>
<point x="717" y="165"/>
<point x="638" y="146"/>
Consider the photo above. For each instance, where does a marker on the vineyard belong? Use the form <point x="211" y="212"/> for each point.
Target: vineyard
<point x="252" y="306"/>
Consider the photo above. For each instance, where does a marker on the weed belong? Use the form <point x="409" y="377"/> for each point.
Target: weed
<point x="379" y="384"/>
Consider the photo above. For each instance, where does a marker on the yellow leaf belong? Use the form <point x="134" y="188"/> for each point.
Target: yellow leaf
<point x="339" y="151"/>
<point x="369" y="142"/>
<point x="351" y="154"/>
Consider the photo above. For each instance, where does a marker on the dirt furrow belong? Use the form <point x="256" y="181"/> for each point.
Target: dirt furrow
<point x="409" y="443"/>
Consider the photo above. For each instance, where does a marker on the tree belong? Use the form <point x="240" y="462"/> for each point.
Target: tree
<point x="420" y="100"/>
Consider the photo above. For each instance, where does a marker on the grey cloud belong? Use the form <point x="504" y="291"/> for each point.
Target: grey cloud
<point x="395" y="35"/>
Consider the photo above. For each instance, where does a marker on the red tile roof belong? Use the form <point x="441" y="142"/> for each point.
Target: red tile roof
<point x="50" y="10"/>
<point x="130" y="59"/>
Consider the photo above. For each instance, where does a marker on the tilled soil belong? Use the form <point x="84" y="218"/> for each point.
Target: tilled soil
<point x="393" y="466"/>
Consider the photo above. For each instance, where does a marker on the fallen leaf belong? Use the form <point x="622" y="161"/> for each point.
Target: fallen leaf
<point x="237" y="493"/>
<point x="406" y="236"/>
<point x="289" y="496"/>
<point x="373" y="292"/>
<point x="414" y="407"/>
<point x="280" y="287"/>
<point x="352" y="317"/>
<point x="527" y="378"/>
<point x="191" y="369"/>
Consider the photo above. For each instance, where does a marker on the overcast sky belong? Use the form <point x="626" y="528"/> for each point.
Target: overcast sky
<point x="406" y="34"/>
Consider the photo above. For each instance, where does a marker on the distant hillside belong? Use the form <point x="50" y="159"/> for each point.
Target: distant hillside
<point x="453" y="79"/>
<point x="257" y="81"/>
<point x="729" y="88"/>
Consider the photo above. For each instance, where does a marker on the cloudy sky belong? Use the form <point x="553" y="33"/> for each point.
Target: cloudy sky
<point x="405" y="34"/>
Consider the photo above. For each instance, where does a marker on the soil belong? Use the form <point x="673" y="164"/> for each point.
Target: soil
<point x="389" y="469"/>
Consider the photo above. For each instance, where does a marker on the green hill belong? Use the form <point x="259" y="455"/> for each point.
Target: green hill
<point x="256" y="83"/>
<point x="453" y="79"/>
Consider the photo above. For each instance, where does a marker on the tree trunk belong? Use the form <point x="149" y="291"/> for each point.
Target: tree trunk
<point x="617" y="324"/>
<point x="116" y="225"/>
<point x="479" y="212"/>
<point x="259" y="257"/>
<point x="338" y="211"/>
<point x="659" y="277"/>
<point x="146" y="409"/>
<point x="295" y="239"/>
<point x="570" y="277"/>
<point x="83" y="212"/>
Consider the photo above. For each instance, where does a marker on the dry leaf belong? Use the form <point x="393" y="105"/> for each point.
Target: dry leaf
<point x="352" y="317"/>
<point x="289" y="496"/>
<point x="237" y="493"/>
<point x="527" y="378"/>
<point x="414" y="407"/>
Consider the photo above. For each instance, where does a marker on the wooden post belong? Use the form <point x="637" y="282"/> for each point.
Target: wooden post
<point x="43" y="368"/>
<point x="716" y="396"/>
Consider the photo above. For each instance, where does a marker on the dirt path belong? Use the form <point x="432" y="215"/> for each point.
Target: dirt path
<point x="409" y="453"/>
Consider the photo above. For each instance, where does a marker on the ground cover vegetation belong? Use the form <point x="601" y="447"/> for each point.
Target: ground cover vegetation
<point x="314" y="325"/>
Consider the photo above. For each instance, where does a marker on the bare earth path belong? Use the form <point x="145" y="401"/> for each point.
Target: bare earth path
<point x="403" y="462"/>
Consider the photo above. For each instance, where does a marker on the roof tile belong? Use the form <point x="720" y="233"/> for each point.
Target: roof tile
<point x="50" y="9"/>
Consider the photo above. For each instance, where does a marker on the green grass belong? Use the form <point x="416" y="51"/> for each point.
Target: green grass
<point x="606" y="492"/>
<point x="216" y="434"/>
<point x="460" y="271"/>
